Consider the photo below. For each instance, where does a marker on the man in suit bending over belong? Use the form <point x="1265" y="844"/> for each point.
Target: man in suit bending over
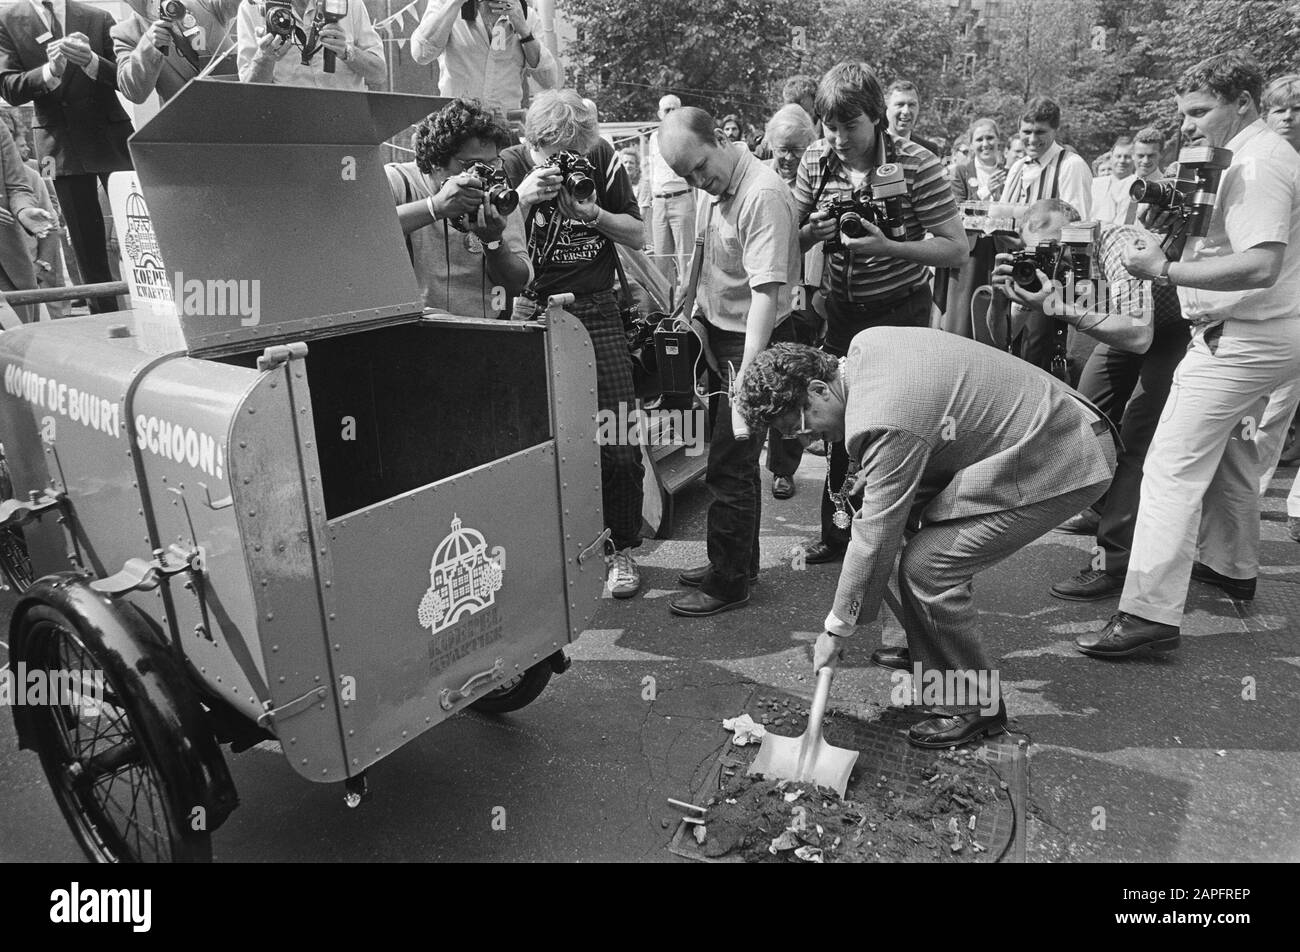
<point x="58" y="55"/>
<point x="966" y="450"/>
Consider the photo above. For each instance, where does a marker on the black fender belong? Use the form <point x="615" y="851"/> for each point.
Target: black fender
<point x="163" y="706"/>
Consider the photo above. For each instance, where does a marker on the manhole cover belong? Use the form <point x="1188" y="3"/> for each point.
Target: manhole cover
<point x="885" y="760"/>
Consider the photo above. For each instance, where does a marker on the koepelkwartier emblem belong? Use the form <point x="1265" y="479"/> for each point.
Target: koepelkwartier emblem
<point x="463" y="578"/>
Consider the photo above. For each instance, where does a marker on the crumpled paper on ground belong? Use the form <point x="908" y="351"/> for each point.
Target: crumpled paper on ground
<point x="744" y="730"/>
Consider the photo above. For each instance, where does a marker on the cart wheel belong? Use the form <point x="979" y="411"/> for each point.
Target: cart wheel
<point x="103" y="770"/>
<point x="519" y="691"/>
<point x="15" y="565"/>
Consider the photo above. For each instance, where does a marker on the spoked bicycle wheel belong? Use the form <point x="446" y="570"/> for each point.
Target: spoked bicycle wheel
<point x="104" y="772"/>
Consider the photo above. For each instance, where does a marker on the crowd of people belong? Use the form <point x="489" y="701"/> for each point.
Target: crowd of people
<point x="810" y="255"/>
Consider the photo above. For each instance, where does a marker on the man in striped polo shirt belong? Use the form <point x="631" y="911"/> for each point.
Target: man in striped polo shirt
<point x="874" y="280"/>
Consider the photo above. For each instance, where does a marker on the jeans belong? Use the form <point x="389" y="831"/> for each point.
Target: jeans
<point x="733" y="480"/>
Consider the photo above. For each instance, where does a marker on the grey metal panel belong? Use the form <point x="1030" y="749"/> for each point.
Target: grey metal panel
<point x="391" y="561"/>
<point x="284" y="186"/>
<point x="271" y="464"/>
<point x="573" y="407"/>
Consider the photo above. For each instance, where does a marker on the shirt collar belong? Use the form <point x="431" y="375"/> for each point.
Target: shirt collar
<point x="736" y="174"/>
<point x="1245" y="135"/>
<point x="1046" y="159"/>
<point x="60" y="10"/>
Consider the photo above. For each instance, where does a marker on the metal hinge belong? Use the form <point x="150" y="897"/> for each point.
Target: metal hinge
<point x="142" y="575"/>
<point x="278" y="354"/>
<point x="14" y="514"/>
<point x="597" y="545"/>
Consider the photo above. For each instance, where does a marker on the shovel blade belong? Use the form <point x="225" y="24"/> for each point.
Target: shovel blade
<point x="804" y="760"/>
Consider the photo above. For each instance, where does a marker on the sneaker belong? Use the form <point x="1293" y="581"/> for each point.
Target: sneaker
<point x="624" y="579"/>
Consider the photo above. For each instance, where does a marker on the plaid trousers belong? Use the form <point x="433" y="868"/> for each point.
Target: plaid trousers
<point x="621" y="470"/>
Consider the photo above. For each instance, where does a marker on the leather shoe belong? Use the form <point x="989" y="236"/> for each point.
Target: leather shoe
<point x="819" y="553"/>
<point x="1085" y="523"/>
<point x="698" y="604"/>
<point x="953" y="730"/>
<point x="782" y="487"/>
<point x="695" y="577"/>
<point x="1088" y="586"/>
<point x="1126" y="635"/>
<point x="1242" y="589"/>
<point x="896" y="657"/>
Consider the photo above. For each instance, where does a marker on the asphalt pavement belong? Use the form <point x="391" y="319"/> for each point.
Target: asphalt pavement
<point x="1192" y="756"/>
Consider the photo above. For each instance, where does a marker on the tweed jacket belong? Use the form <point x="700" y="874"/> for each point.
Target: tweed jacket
<point x="940" y="428"/>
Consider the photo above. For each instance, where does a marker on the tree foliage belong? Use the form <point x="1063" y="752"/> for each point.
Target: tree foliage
<point x="1111" y="64"/>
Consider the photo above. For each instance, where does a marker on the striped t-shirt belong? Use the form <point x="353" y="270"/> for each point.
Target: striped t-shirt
<point x="927" y="204"/>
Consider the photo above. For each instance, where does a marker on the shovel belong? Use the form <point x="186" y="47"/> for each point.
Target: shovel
<point x="807" y="758"/>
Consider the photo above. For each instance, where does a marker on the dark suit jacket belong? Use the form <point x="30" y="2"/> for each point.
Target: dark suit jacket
<point x="80" y="122"/>
<point x="963" y="191"/>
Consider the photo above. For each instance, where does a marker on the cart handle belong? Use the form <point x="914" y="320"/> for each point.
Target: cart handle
<point x="449" y="699"/>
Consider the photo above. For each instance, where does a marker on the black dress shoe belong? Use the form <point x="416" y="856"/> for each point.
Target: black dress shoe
<point x="1127" y="635"/>
<point x="1242" y="589"/>
<point x="953" y="730"/>
<point x="819" y="553"/>
<point x="782" y="487"/>
<point x="695" y="577"/>
<point x="892" y="656"/>
<point x="698" y="604"/>
<point x="1088" y="586"/>
<point x="1085" y="523"/>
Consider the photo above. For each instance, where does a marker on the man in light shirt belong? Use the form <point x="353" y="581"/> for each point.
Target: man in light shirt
<point x="672" y="206"/>
<point x="484" y="49"/>
<point x="1047" y="171"/>
<point x="1110" y="198"/>
<point x="1238" y="286"/>
<point x="267" y="58"/>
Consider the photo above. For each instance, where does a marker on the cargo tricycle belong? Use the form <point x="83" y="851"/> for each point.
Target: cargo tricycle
<point x="278" y="500"/>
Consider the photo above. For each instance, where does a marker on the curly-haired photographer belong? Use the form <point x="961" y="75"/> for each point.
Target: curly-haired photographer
<point x="462" y="246"/>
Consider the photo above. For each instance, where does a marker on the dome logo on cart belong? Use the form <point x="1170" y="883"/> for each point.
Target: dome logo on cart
<point x="149" y="280"/>
<point x="463" y="578"/>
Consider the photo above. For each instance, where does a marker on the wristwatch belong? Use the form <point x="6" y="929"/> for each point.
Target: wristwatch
<point x="1162" y="280"/>
<point x="493" y="245"/>
<point x="527" y="39"/>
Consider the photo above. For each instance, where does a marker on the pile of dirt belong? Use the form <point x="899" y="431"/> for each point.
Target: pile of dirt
<point x="769" y="821"/>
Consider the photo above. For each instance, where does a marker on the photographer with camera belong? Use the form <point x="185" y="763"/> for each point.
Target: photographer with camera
<point x="297" y="44"/>
<point x="1238" y="281"/>
<point x="166" y="43"/>
<point x="460" y="217"/>
<point x="869" y="198"/>
<point x="1142" y="337"/>
<point x="577" y="201"/>
<point x="484" y="49"/>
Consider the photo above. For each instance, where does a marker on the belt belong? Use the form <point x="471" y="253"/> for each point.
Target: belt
<point x="892" y="298"/>
<point x="672" y="194"/>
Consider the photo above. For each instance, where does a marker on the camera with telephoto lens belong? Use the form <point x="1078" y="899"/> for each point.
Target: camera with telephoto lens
<point x="279" y="18"/>
<point x="848" y="215"/>
<point x="1071" y="257"/>
<point x="496" y="187"/>
<point x="577" y="172"/>
<point x="1188" y="199"/>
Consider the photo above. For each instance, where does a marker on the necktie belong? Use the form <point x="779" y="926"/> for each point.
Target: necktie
<point x="56" y="29"/>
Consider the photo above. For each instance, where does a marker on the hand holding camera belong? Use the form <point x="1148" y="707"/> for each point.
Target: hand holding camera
<point x="460" y="195"/>
<point x="1144" y="258"/>
<point x="159" y="36"/>
<point x="541" y="185"/>
<point x="823" y="224"/>
<point x="1014" y="276"/>
<point x="485" y="222"/>
<point x="586" y="212"/>
<point x="272" y="46"/>
<point x="513" y="11"/>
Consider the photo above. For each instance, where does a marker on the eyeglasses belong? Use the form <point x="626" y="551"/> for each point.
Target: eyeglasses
<point x="467" y="164"/>
<point x="803" y="430"/>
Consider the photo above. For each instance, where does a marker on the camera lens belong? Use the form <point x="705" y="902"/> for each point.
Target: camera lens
<point x="1024" y="273"/>
<point x="1160" y="194"/>
<point x="579" y="186"/>
<point x="504" y="200"/>
<point x="851" y="225"/>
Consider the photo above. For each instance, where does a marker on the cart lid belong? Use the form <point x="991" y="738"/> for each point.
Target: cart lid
<point x="272" y="212"/>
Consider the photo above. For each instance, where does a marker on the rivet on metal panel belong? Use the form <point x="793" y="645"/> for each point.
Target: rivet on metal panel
<point x="247" y="480"/>
<point x="270" y="616"/>
<point x="351" y="732"/>
<point x="265" y="583"/>
<point x="308" y="444"/>
<point x="275" y="647"/>
<point x="252" y="513"/>
<point x="324" y="771"/>
<point x="293" y="740"/>
<point x="282" y="679"/>
<point x="218" y="678"/>
<point x="164" y="479"/>
<point x="243" y="444"/>
<point x="403" y="733"/>
<point x="328" y="583"/>
<point x="331" y="616"/>
<point x="304" y="761"/>
<point x="273" y="384"/>
<point x="317" y="679"/>
<point x="376" y="750"/>
<point x="338" y="647"/>
<point x="257" y="547"/>
<point x="252" y="409"/>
